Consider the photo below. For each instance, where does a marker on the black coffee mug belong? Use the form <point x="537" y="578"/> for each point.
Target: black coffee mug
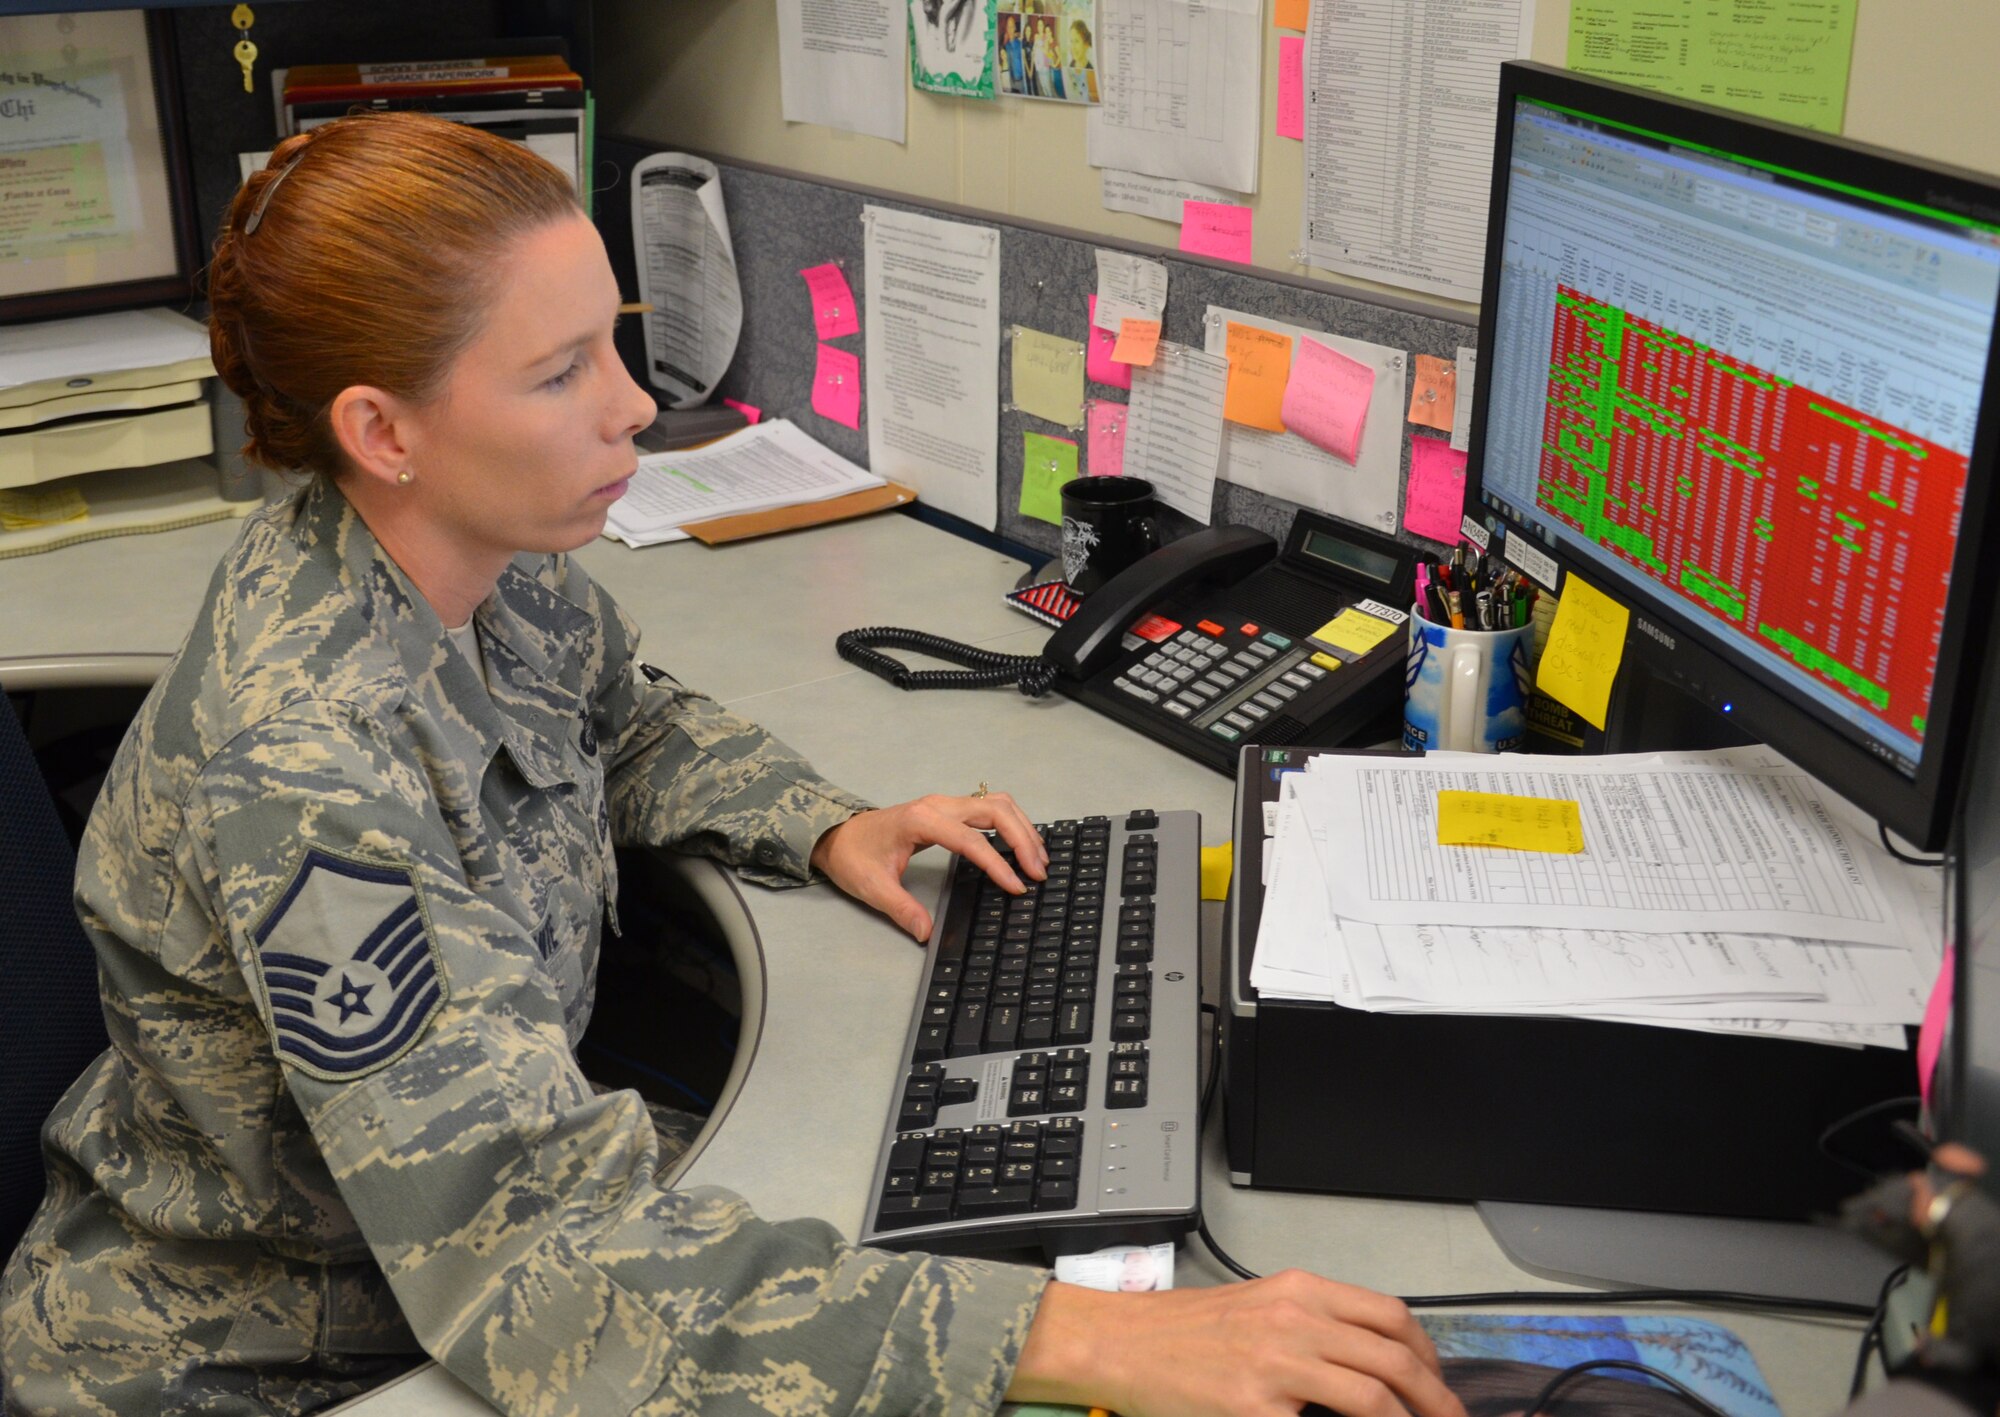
<point x="1107" y="524"/>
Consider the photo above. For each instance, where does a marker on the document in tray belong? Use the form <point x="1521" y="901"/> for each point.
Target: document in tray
<point x="771" y="464"/>
<point x="1737" y="840"/>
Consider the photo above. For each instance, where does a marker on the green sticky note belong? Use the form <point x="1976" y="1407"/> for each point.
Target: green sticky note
<point x="1048" y="376"/>
<point x="1046" y="464"/>
<point x="1783" y="59"/>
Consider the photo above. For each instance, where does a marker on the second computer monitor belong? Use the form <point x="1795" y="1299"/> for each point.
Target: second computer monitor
<point x="1742" y="378"/>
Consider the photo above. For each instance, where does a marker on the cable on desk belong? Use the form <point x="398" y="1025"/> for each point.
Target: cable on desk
<point x="1030" y="673"/>
<point x="1904" y="856"/>
<point x="1623" y="1365"/>
<point x="1871" y="1337"/>
<point x="1855" y="1118"/>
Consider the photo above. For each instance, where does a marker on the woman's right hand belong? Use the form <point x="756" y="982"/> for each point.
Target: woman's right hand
<point x="1261" y="1348"/>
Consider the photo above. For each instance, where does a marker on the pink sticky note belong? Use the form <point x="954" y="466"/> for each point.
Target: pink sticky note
<point x="1106" y="422"/>
<point x="1097" y="361"/>
<point x="1216" y="229"/>
<point x="748" y="410"/>
<point x="833" y="302"/>
<point x="1937" y="1013"/>
<point x="1326" y="399"/>
<point x="837" y="386"/>
<point x="1292" y="86"/>
<point x="1436" y="501"/>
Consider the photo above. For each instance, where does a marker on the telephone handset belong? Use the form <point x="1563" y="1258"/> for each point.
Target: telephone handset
<point x="1209" y="641"/>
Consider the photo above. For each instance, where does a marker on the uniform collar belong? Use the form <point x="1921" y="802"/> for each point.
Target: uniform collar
<point x="532" y="638"/>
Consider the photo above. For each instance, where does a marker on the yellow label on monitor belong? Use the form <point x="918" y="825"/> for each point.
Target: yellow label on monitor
<point x="1355" y="631"/>
<point x="1585" y="644"/>
<point x="1516" y="823"/>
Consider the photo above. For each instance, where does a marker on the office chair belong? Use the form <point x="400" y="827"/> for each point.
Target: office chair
<point x="51" y="1023"/>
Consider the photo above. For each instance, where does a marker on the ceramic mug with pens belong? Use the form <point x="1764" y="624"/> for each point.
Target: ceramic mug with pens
<point x="1107" y="524"/>
<point x="1465" y="690"/>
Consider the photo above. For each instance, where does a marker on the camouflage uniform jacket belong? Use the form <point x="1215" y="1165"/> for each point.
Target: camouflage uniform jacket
<point x="345" y="904"/>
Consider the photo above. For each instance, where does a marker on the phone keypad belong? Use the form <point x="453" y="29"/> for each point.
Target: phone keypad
<point x="1220" y="681"/>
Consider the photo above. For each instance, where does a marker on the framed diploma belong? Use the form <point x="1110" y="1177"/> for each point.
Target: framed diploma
<point x="95" y="208"/>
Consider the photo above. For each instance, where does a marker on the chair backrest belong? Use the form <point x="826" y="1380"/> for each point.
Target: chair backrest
<point x="51" y="1023"/>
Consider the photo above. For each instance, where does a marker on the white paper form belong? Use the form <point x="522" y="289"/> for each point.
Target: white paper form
<point x="1400" y="101"/>
<point x="1181" y="86"/>
<point x="1173" y="426"/>
<point x="86" y="346"/>
<point x="1461" y="411"/>
<point x="840" y="64"/>
<point x="1164" y="198"/>
<point x="933" y="365"/>
<point x="1129" y="287"/>
<point x="1300" y="953"/>
<point x="1286" y="465"/>
<point x="1694" y="841"/>
<point x="772" y="464"/>
<point x="687" y="273"/>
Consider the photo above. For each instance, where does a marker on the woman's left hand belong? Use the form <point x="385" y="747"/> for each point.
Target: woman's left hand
<point x="866" y="854"/>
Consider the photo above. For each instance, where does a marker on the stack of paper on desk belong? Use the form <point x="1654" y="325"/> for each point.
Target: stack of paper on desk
<point x="1723" y="891"/>
<point x="771" y="464"/>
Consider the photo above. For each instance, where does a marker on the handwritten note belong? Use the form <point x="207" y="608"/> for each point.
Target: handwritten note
<point x="1046" y="464"/>
<point x="1106" y="422"/>
<point x="1355" y="631"/>
<point x="1138" y="342"/>
<point x="1048" y="376"/>
<point x="1585" y="645"/>
<point x="1434" y="394"/>
<point x="1516" y="823"/>
<point x="833" y="302"/>
<point x="1326" y="402"/>
<point x="1220" y="229"/>
<point x="1129" y="287"/>
<point x="1292" y="87"/>
<point x="1099" y="364"/>
<point x="1434" y="506"/>
<point x="1259" y="361"/>
<point x="1292" y="14"/>
<point x="837" y="386"/>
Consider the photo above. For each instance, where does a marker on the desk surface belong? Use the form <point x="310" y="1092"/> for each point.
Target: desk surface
<point x="753" y="623"/>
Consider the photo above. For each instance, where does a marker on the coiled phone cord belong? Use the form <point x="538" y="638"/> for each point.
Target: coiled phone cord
<point x="1030" y="673"/>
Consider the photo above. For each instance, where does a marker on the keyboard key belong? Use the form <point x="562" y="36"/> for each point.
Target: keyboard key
<point x="1130" y="1025"/>
<point x="1125" y="1092"/>
<point x="1073" y="1024"/>
<point x="1057" y="1194"/>
<point x="1017" y="1173"/>
<point x="982" y="1202"/>
<point x="1036" y="1032"/>
<point x="922" y="1208"/>
<point x="906" y="1154"/>
<point x="900" y="1183"/>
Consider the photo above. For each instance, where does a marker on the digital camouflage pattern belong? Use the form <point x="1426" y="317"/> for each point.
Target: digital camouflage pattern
<point x="346" y="909"/>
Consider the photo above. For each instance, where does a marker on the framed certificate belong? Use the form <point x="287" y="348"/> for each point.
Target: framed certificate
<point x="95" y="208"/>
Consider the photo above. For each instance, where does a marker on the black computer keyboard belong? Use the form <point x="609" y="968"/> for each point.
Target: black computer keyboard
<point x="1050" y="1091"/>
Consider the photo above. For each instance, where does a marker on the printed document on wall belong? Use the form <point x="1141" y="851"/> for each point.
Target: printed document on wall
<point x="1400" y="100"/>
<point x="1286" y="465"/>
<point x="933" y="365"/>
<point x="687" y="273"/>
<point x="840" y="64"/>
<point x="1181" y="82"/>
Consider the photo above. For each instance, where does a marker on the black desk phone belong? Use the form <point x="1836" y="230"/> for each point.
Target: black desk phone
<point x="1215" y="639"/>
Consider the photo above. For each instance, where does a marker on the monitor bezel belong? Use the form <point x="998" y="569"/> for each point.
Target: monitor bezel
<point x="1919" y="807"/>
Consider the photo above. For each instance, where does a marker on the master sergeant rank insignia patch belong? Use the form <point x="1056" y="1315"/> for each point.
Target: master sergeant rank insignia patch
<point x="349" y="965"/>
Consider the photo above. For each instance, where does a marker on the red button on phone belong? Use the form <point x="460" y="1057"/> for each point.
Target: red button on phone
<point x="1250" y="630"/>
<point x="1209" y="627"/>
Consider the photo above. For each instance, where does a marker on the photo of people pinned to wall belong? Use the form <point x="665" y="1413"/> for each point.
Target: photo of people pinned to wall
<point x="1048" y="49"/>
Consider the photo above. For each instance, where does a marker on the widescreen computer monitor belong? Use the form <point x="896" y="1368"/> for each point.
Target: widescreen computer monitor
<point x="1742" y="378"/>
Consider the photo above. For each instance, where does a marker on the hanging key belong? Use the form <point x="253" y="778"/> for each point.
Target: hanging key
<point x="246" y="52"/>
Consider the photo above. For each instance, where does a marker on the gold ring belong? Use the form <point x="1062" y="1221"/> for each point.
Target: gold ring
<point x="983" y="790"/>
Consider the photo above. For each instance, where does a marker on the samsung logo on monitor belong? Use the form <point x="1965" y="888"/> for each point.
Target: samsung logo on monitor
<point x="1652" y="631"/>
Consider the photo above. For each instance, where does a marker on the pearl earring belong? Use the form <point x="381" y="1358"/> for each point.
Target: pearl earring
<point x="403" y="478"/>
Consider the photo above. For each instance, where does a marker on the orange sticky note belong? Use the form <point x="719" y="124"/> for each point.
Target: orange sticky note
<point x="1292" y="14"/>
<point x="1435" y="393"/>
<point x="1138" y="341"/>
<point x="1259" y="361"/>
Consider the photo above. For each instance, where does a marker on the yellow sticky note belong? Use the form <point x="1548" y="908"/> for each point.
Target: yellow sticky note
<point x="1355" y="631"/>
<point x="1292" y="14"/>
<point x="1585" y="644"/>
<point x="1138" y="341"/>
<point x="1259" y="363"/>
<point x="1517" y="823"/>
<point x="24" y="507"/>
<point x="1048" y="376"/>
